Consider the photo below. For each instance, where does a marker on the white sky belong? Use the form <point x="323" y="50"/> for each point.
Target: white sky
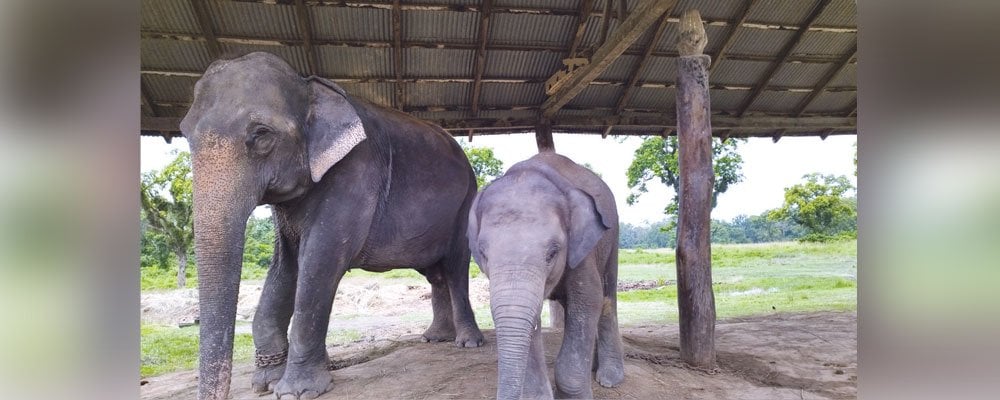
<point x="768" y="168"/>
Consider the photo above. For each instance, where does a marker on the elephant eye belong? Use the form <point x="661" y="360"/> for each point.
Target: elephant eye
<point x="552" y="251"/>
<point x="260" y="140"/>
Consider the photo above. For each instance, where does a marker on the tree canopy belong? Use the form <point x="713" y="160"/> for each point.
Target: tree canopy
<point x="657" y="159"/>
<point x="486" y="166"/>
<point x="166" y="200"/>
<point x="821" y="205"/>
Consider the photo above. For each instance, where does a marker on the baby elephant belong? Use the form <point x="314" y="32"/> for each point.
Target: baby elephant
<point x="548" y="228"/>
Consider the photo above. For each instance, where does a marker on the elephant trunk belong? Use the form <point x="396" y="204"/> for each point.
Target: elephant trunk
<point x="516" y="295"/>
<point x="220" y="217"/>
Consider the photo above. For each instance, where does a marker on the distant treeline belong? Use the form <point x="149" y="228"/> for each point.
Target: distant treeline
<point x="742" y="229"/>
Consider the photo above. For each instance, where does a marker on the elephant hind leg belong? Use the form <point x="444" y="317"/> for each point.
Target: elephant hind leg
<point x="467" y="333"/>
<point x="442" y="328"/>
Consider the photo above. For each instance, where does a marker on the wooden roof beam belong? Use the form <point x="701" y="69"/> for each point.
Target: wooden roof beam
<point x="605" y="22"/>
<point x="637" y="71"/>
<point x="305" y="29"/>
<point x="824" y="82"/>
<point x="741" y="17"/>
<point x="480" y="59"/>
<point x="399" y="99"/>
<point x="641" y="18"/>
<point x="782" y="57"/>
<point x="581" y="27"/>
<point x="205" y="23"/>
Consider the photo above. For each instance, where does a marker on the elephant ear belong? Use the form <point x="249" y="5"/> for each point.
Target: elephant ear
<point x="473" y="233"/>
<point x="585" y="227"/>
<point x="333" y="126"/>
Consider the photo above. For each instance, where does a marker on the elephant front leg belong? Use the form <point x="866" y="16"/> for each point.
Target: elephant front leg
<point x="270" y="322"/>
<point x="610" y="357"/>
<point x="573" y="365"/>
<point x="536" y="376"/>
<point x="306" y="375"/>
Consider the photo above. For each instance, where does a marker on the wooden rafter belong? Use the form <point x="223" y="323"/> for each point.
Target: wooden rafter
<point x="153" y="34"/>
<point x="480" y="60"/>
<point x="641" y="65"/>
<point x="399" y="100"/>
<point x="581" y="27"/>
<point x="782" y="57"/>
<point x="305" y="29"/>
<point x="767" y="125"/>
<point x="642" y="17"/>
<point x="605" y="22"/>
<point x="825" y="81"/>
<point x="207" y="31"/>
<point x="853" y="108"/>
<point x="146" y="99"/>
<point x="741" y="17"/>
<point x="622" y="10"/>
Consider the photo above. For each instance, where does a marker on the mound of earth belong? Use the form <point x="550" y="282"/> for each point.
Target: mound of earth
<point x="780" y="356"/>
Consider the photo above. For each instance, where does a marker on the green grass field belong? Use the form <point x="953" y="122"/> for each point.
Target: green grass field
<point x="749" y="279"/>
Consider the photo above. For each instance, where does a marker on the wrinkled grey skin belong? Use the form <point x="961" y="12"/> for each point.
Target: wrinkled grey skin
<point x="351" y="185"/>
<point x="548" y="229"/>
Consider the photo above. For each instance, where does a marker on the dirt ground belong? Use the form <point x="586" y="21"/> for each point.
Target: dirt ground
<point x="780" y="356"/>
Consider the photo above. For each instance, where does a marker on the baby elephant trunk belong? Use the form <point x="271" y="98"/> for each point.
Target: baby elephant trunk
<point x="516" y="294"/>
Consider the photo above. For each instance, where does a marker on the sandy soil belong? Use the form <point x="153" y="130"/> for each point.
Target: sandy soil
<point x="781" y="356"/>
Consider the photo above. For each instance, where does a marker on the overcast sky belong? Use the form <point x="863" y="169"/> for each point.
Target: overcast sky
<point x="768" y="167"/>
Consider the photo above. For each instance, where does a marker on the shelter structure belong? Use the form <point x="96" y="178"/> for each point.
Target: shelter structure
<point x="739" y="68"/>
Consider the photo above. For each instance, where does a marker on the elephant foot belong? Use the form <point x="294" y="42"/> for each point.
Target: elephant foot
<point x="471" y="337"/>
<point x="264" y="378"/>
<point x="610" y="375"/>
<point x="304" y="384"/>
<point x="439" y="333"/>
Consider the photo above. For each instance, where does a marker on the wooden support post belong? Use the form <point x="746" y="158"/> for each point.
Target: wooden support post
<point x="695" y="299"/>
<point x="543" y="136"/>
<point x="604" y="135"/>
<point x="397" y="54"/>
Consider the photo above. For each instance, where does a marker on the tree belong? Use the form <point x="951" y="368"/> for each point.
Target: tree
<point x="821" y="205"/>
<point x="657" y="158"/>
<point x="166" y="202"/>
<point x="486" y="166"/>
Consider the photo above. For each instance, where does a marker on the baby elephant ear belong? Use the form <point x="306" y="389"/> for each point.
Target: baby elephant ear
<point x="333" y="127"/>
<point x="585" y="227"/>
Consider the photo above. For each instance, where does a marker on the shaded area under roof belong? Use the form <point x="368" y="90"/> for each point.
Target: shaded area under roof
<point x="780" y="67"/>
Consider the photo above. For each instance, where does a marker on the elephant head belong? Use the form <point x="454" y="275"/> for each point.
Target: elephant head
<point x="525" y="230"/>
<point x="259" y="134"/>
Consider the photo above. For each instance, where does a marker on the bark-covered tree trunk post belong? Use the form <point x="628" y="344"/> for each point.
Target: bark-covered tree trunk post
<point x="695" y="300"/>
<point x="543" y="136"/>
<point x="182" y="261"/>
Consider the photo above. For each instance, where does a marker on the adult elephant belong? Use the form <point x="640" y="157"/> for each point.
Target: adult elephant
<point x="351" y="185"/>
<point x="548" y="228"/>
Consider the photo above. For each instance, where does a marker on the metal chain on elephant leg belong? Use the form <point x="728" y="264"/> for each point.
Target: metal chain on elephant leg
<point x="266" y="360"/>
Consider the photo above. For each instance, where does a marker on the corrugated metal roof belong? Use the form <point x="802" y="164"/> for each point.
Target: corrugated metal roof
<point x="738" y="72"/>
<point x="781" y="12"/>
<point x="294" y="55"/>
<point x="165" y="54"/>
<point x="777" y="101"/>
<point x="173" y="16"/>
<point x="651" y="98"/>
<point x="511" y="94"/>
<point x="839" y="13"/>
<point x="597" y="96"/>
<point x="442" y="26"/>
<point x="437" y="94"/>
<point x="351" y="23"/>
<point x="354" y="62"/>
<point x="759" y="42"/>
<point x="831" y="102"/>
<point x="253" y="20"/>
<point x="799" y="74"/>
<point x="521" y="64"/>
<point x="424" y="62"/>
<point x="847" y="76"/>
<point x="825" y="43"/>
<point x="354" y="42"/>
<point x="531" y="29"/>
